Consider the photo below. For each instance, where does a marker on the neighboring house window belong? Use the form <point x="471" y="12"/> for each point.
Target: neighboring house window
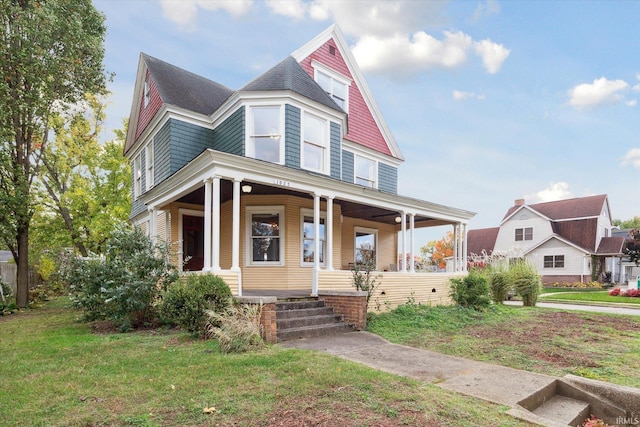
<point x="315" y="143"/>
<point x="365" y="246"/>
<point x="265" y="232"/>
<point x="137" y="176"/>
<point x="524" y="234"/>
<point x="147" y="95"/>
<point x="265" y="134"/>
<point x="149" y="165"/>
<point x="334" y="84"/>
<point x="308" y="238"/>
<point x="554" y="261"/>
<point x="365" y="171"/>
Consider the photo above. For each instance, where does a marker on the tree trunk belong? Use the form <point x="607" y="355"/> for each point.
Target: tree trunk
<point x="22" y="288"/>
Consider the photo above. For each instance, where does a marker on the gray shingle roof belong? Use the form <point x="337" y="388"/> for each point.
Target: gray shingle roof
<point x="289" y="75"/>
<point x="185" y="89"/>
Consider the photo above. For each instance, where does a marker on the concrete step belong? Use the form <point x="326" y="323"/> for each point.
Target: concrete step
<point x="312" y="331"/>
<point x="299" y="322"/>
<point x="298" y="305"/>
<point x="316" y="311"/>
<point x="564" y="410"/>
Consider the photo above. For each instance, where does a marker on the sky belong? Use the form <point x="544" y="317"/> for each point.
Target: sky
<point x="489" y="101"/>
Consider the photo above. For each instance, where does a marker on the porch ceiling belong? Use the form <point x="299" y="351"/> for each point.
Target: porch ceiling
<point x="350" y="209"/>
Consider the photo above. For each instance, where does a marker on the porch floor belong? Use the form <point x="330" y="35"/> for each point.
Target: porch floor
<point x="278" y="293"/>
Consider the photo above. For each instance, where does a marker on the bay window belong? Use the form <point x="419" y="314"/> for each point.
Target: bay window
<point x="314" y="144"/>
<point x="265" y="141"/>
<point x="365" y="171"/>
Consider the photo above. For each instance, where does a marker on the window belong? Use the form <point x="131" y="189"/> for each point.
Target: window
<point x="554" y="261"/>
<point x="335" y="86"/>
<point x="149" y="166"/>
<point x="524" y="234"/>
<point x="308" y="238"/>
<point x="314" y="145"/>
<point x="365" y="171"/>
<point x="147" y="95"/>
<point x="265" y="232"/>
<point x="266" y="136"/>
<point x="137" y="176"/>
<point x="365" y="245"/>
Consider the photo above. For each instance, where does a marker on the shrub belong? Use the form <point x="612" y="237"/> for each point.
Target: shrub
<point x="363" y="278"/>
<point x="471" y="291"/>
<point x="185" y="303"/>
<point x="499" y="286"/>
<point x="632" y="293"/>
<point x="124" y="284"/>
<point x="7" y="299"/>
<point x="526" y="281"/>
<point x="614" y="292"/>
<point x="237" y="328"/>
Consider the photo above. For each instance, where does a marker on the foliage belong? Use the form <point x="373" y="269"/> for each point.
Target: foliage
<point x="363" y="277"/>
<point x="185" y="303"/>
<point x="526" y="281"/>
<point x="237" y="328"/>
<point x="631" y="293"/>
<point x="124" y="284"/>
<point x="614" y="292"/>
<point x="52" y="55"/>
<point x="632" y="246"/>
<point x="630" y="223"/>
<point x="499" y="285"/>
<point x="594" y="421"/>
<point x="439" y="250"/>
<point x="577" y="285"/>
<point x="7" y="301"/>
<point x="471" y="291"/>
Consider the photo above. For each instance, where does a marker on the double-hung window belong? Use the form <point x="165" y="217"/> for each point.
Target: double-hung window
<point x="265" y="235"/>
<point x="334" y="84"/>
<point x="365" y="246"/>
<point x="137" y="176"/>
<point x="308" y="238"/>
<point x="148" y="152"/>
<point x="525" y="233"/>
<point x="147" y="92"/>
<point x="315" y="143"/>
<point x="265" y="142"/>
<point x="554" y="261"/>
<point x="365" y="171"/>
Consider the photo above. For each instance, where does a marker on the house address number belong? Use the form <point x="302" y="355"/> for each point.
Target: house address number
<point x="282" y="182"/>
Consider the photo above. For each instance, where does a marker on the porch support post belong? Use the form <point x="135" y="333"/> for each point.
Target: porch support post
<point x="464" y="247"/>
<point x="404" y="241"/>
<point x="235" y="231"/>
<point x="328" y="257"/>
<point x="207" y="225"/>
<point x="412" y="226"/>
<point x="153" y="224"/>
<point x="215" y="225"/>
<point x="455" y="247"/>
<point x="316" y="242"/>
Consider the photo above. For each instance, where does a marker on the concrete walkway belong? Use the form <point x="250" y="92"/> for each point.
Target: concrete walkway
<point x="583" y="307"/>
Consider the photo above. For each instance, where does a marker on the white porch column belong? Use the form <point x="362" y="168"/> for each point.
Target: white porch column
<point x="464" y="247"/>
<point x="316" y="243"/>
<point x="403" y="215"/>
<point x="215" y="225"/>
<point x="412" y="226"/>
<point x="235" y="232"/>
<point x="328" y="227"/>
<point x="455" y="247"/>
<point x="153" y="224"/>
<point x="207" y="225"/>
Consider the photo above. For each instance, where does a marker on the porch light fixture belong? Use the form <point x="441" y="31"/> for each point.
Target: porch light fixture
<point x="246" y="188"/>
<point x="398" y="220"/>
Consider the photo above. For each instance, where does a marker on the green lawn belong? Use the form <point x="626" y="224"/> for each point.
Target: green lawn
<point x="57" y="372"/>
<point x="562" y="290"/>
<point x="598" y="296"/>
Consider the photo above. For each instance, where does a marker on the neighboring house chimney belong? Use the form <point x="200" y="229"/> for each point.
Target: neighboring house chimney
<point x="519" y="202"/>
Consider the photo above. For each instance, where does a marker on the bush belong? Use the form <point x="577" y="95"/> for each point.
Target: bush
<point x="363" y="277"/>
<point x="499" y="286"/>
<point x="185" y="303"/>
<point x="124" y="284"/>
<point x="471" y="291"/>
<point x="237" y="329"/>
<point x="7" y="299"/>
<point x="526" y="281"/>
<point x="614" y="292"/>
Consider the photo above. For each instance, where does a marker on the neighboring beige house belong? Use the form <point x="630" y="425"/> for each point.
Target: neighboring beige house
<point x="567" y="240"/>
<point x="282" y="185"/>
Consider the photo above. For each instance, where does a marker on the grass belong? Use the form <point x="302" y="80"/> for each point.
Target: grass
<point x="55" y="371"/>
<point x="591" y="296"/>
<point x="562" y="290"/>
<point x="553" y="342"/>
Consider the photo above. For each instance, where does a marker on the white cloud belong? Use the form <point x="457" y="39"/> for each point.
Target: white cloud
<point x="459" y="95"/>
<point x="632" y="157"/>
<point x="292" y="8"/>
<point x="492" y="54"/>
<point x="631" y="102"/>
<point x="491" y="7"/>
<point x="185" y="12"/>
<point x="599" y="92"/>
<point x="555" y="191"/>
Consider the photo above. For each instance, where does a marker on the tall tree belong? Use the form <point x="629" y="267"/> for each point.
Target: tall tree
<point x="439" y="250"/>
<point x="52" y="54"/>
<point x="630" y="223"/>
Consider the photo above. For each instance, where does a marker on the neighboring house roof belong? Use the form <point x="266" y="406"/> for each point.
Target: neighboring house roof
<point x="580" y="207"/>
<point x="5" y="256"/>
<point x="483" y="239"/>
<point x="289" y="75"/>
<point x="611" y="246"/>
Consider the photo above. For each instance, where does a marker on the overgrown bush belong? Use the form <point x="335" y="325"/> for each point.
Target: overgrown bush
<point x="363" y="277"/>
<point x="237" y="328"/>
<point x="526" y="281"/>
<point x="185" y="303"/>
<point x="499" y="285"/>
<point x="471" y="291"/>
<point x="123" y="284"/>
<point x="7" y="299"/>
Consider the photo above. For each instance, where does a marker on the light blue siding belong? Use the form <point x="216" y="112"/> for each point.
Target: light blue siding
<point x="292" y="136"/>
<point x="387" y="178"/>
<point x="347" y="166"/>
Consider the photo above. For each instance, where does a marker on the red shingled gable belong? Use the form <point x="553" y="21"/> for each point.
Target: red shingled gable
<point x="146" y="113"/>
<point x="362" y="127"/>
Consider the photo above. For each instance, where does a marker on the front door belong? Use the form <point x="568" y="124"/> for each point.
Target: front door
<point x="193" y="242"/>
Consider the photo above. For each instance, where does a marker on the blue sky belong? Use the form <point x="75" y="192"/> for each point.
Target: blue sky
<point x="489" y="101"/>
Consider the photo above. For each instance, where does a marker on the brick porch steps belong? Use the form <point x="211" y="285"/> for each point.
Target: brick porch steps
<point x="307" y="317"/>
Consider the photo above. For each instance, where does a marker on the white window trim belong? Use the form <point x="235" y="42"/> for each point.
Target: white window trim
<point x="327" y="142"/>
<point x="149" y="166"/>
<point x="318" y="67"/>
<point x="554" y="257"/>
<point x="375" y="169"/>
<point x="147" y="91"/>
<point x="373" y="231"/>
<point x="323" y="215"/>
<point x="249" y="211"/>
<point x="524" y="234"/>
<point x="249" y="140"/>
<point x="137" y="176"/>
<point x="182" y="212"/>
